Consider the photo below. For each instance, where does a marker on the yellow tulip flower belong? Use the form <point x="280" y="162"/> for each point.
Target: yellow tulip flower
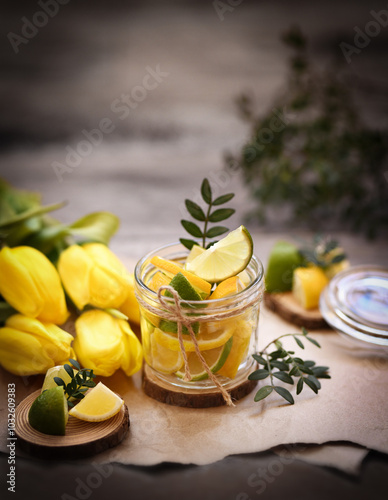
<point x="30" y="283"/>
<point x="131" y="307"/>
<point x="93" y="275"/>
<point x="29" y="347"/>
<point x="105" y="344"/>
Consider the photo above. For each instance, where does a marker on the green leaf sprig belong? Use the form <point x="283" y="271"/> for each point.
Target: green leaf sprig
<point x="281" y="364"/>
<point x="80" y="382"/>
<point x="323" y="252"/>
<point x="206" y="216"/>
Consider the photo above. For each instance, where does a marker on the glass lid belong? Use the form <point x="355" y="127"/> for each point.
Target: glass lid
<point x="356" y="303"/>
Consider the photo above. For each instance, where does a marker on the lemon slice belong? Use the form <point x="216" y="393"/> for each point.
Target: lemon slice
<point x="164" y="359"/>
<point x="206" y="340"/>
<point x="308" y="284"/>
<point x="48" y="413"/>
<point x="241" y="339"/>
<point x="99" y="404"/>
<point x="172" y="268"/>
<point x="228" y="287"/>
<point x="215" y="359"/>
<point x="224" y="259"/>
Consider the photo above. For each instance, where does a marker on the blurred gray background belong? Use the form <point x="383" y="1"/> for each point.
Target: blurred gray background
<point x="73" y="73"/>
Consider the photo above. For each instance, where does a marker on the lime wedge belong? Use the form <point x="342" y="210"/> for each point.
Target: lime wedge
<point x="48" y="413"/>
<point x="215" y="359"/>
<point x="186" y="292"/>
<point x="224" y="259"/>
<point x="283" y="259"/>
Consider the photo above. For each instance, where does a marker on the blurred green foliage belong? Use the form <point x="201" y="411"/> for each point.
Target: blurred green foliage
<point x="25" y="221"/>
<point x="311" y="156"/>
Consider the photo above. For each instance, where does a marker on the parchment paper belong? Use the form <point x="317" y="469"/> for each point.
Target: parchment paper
<point x="351" y="407"/>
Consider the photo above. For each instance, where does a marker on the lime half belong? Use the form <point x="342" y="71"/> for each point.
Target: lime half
<point x="224" y="259"/>
<point x="48" y="413"/>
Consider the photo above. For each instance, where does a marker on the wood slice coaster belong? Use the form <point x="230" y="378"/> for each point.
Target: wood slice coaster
<point x="287" y="308"/>
<point x="81" y="439"/>
<point x="189" y="398"/>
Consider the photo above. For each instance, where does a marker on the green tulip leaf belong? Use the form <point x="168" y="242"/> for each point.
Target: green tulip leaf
<point x="16" y="219"/>
<point x="97" y="226"/>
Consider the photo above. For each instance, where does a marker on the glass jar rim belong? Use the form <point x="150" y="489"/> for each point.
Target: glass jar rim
<point x="243" y="294"/>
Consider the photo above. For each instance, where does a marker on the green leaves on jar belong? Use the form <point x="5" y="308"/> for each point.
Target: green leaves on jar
<point x="206" y="216"/>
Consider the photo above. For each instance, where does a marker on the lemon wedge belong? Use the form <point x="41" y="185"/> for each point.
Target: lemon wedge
<point x="226" y="258"/>
<point x="238" y="352"/>
<point x="308" y="283"/>
<point x="228" y="287"/>
<point x="215" y="359"/>
<point x="206" y="340"/>
<point x="172" y="268"/>
<point x="164" y="359"/>
<point x="99" y="404"/>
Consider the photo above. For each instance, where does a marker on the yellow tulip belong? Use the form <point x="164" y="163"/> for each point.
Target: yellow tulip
<point x="93" y="275"/>
<point x="105" y="344"/>
<point x="29" y="347"/>
<point x="131" y="307"/>
<point x="30" y="283"/>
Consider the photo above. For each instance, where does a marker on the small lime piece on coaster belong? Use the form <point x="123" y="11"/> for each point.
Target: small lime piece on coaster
<point x="283" y="260"/>
<point x="49" y="413"/>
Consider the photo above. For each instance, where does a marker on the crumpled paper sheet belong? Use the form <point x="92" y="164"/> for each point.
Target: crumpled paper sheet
<point x="351" y="407"/>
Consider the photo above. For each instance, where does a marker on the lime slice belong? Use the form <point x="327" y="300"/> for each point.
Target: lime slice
<point x="172" y="268"/>
<point x="163" y="359"/>
<point x="241" y="338"/>
<point x="48" y="413"/>
<point x="224" y="259"/>
<point x="308" y="285"/>
<point x="56" y="371"/>
<point x="215" y="359"/>
<point x="99" y="404"/>
<point x="206" y="340"/>
<point x="283" y="259"/>
<point x="228" y="287"/>
<point x="194" y="252"/>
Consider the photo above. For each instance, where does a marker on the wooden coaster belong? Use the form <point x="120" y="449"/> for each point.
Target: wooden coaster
<point x="190" y="398"/>
<point x="287" y="308"/>
<point x="81" y="439"/>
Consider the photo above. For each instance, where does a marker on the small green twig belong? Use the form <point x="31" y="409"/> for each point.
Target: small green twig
<point x="283" y="365"/>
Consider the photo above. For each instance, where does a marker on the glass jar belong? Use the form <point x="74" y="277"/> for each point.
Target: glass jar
<point x="226" y="332"/>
